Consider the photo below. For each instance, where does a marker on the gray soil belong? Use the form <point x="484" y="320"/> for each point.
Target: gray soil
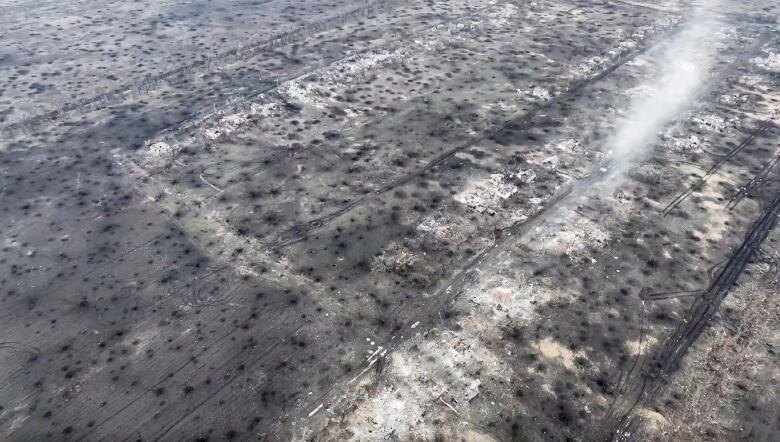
<point x="386" y="220"/>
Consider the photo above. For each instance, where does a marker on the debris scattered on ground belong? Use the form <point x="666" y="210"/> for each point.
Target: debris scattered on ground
<point x="711" y="122"/>
<point x="551" y="162"/>
<point x="583" y="69"/>
<point x="526" y="176"/>
<point x="503" y="297"/>
<point x="447" y="228"/>
<point x="306" y="94"/>
<point x="771" y="62"/>
<point x="504" y="15"/>
<point x="685" y="145"/>
<point x="161" y="151"/>
<point x="227" y="125"/>
<point x="395" y="259"/>
<point x="538" y="92"/>
<point x="484" y="195"/>
<point x="575" y="239"/>
<point x="426" y="386"/>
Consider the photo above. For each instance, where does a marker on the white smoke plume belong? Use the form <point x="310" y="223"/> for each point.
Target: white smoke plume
<point x="683" y="72"/>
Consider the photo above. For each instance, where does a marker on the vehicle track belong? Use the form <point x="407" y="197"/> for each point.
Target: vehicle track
<point x="758" y="180"/>
<point x="762" y="129"/>
<point x="659" y="296"/>
<point x="653" y="377"/>
<point x="457" y="283"/>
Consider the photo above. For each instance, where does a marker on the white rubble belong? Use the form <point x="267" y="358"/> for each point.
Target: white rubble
<point x="502" y="16"/>
<point x="536" y="91"/>
<point x="711" y="122"/>
<point x="685" y="144"/>
<point x="160" y="150"/>
<point x="526" y="176"/>
<point x="227" y="125"/>
<point x="302" y="93"/>
<point x="541" y="92"/>
<point x="447" y="228"/>
<point x="486" y="194"/>
<point x="771" y="62"/>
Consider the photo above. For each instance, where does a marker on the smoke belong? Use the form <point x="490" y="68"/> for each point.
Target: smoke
<point x="684" y="70"/>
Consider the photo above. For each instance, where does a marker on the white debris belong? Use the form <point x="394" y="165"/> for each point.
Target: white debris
<point x="541" y="92"/>
<point x="430" y="44"/>
<point x="473" y="390"/>
<point x="733" y="99"/>
<point x="161" y="150"/>
<point x="519" y="215"/>
<point x="485" y="195"/>
<point x="447" y="228"/>
<point x="750" y="80"/>
<point x="689" y="144"/>
<point x="231" y="123"/>
<point x="419" y="386"/>
<point x="568" y="145"/>
<point x="500" y="296"/>
<point x="503" y="15"/>
<point x="316" y="410"/>
<point x="348" y="68"/>
<point x="582" y="69"/>
<point x="525" y="176"/>
<point x="470" y="26"/>
<point x="575" y="239"/>
<point x="537" y="91"/>
<point x="394" y="258"/>
<point x="711" y="122"/>
<point x="226" y="126"/>
<point x="771" y="62"/>
<point x="304" y="94"/>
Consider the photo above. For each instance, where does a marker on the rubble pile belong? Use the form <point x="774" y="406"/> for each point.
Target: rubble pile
<point x="486" y="194"/>
<point x="771" y="62"/>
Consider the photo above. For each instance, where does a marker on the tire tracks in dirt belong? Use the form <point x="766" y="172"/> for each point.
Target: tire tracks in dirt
<point x="666" y="360"/>
<point x="762" y="129"/>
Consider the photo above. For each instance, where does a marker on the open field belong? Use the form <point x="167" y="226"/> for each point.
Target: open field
<point x="389" y="220"/>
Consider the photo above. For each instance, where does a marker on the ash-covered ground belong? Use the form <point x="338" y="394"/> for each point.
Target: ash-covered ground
<point x="389" y="220"/>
